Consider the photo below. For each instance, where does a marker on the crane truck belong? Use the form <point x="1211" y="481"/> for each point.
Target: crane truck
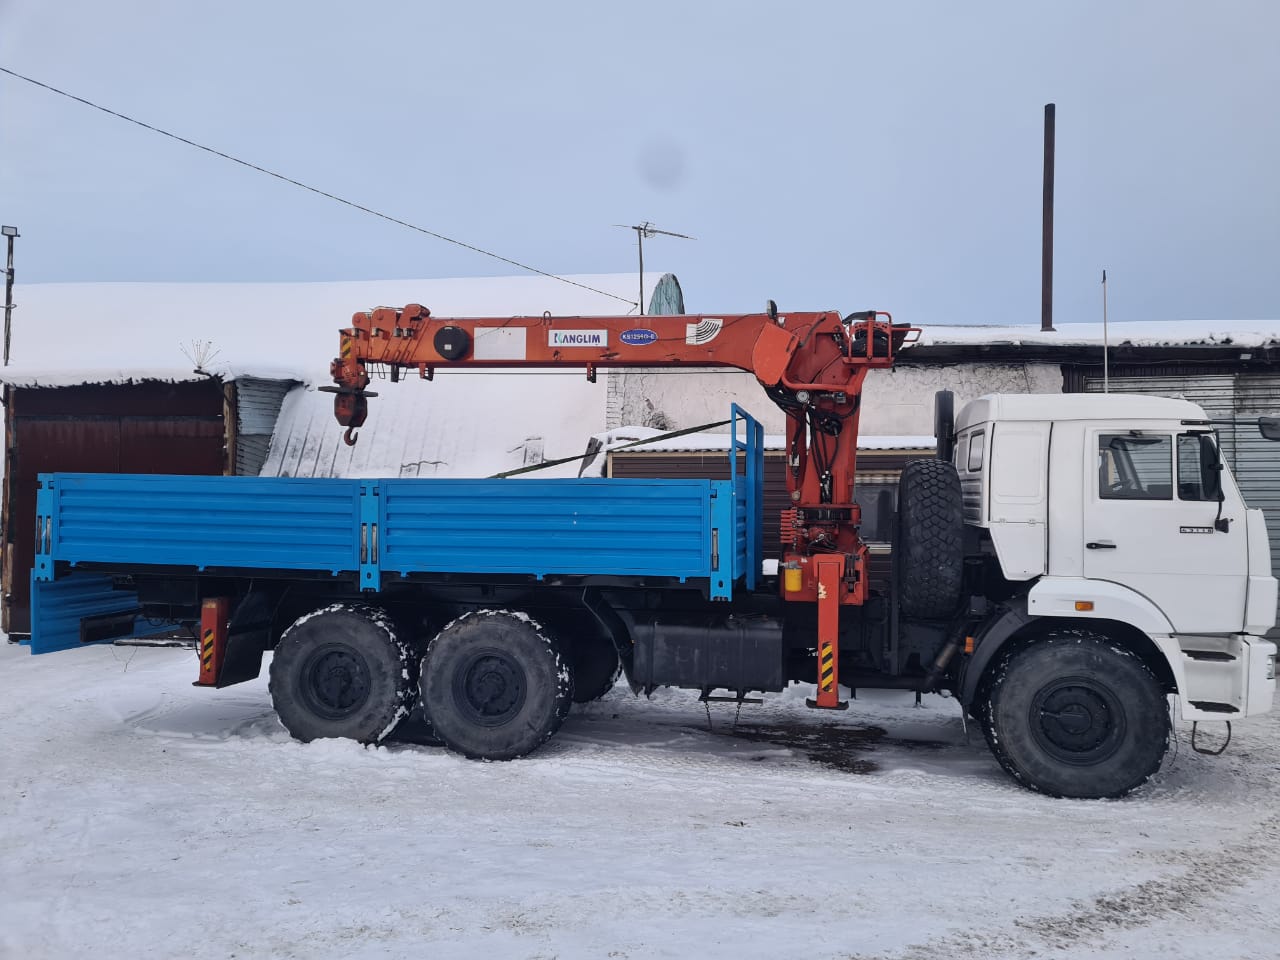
<point x="1067" y="567"/>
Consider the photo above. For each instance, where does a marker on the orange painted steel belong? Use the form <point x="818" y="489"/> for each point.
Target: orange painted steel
<point x="830" y="579"/>
<point x="214" y="613"/>
<point x="812" y="365"/>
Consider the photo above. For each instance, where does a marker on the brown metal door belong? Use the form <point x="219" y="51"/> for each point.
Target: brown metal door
<point x="128" y="428"/>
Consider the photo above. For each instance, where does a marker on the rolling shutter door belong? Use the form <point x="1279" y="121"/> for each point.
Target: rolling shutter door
<point x="1257" y="460"/>
<point x="257" y="409"/>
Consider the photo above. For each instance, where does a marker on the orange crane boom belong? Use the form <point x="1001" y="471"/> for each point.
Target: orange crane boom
<point x="812" y="365"/>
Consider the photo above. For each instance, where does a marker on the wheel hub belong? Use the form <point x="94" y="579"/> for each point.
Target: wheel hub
<point x="336" y="682"/>
<point x="490" y="688"/>
<point x="1077" y="720"/>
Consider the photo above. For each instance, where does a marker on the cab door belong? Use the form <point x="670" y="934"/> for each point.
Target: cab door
<point x="1154" y="523"/>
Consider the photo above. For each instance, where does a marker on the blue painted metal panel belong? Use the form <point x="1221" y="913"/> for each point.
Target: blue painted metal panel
<point x="277" y="523"/>
<point x="585" y="526"/>
<point x="748" y="492"/>
<point x="724" y="548"/>
<point x="58" y="607"/>
<point x="370" y="517"/>
<point x="43" y="569"/>
<point x="590" y="526"/>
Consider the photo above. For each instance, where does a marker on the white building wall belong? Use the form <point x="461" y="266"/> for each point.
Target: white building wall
<point x="897" y="402"/>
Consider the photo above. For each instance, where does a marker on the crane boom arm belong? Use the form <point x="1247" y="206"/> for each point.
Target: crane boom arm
<point x="812" y="365"/>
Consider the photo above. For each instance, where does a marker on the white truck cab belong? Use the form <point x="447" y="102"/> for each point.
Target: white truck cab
<point x="1117" y="513"/>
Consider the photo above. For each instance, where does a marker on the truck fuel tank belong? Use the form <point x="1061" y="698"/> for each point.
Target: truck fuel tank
<point x="699" y="652"/>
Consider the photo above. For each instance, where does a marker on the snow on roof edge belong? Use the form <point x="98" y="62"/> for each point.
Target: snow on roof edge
<point x="44" y="377"/>
<point x="1132" y="333"/>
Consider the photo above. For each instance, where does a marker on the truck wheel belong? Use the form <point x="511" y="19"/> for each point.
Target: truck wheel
<point x="342" y="672"/>
<point x="929" y="552"/>
<point x="495" y="685"/>
<point x="1073" y="715"/>
<point x="596" y="668"/>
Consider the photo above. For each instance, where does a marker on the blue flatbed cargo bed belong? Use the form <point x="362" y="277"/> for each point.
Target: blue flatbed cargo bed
<point x="91" y="526"/>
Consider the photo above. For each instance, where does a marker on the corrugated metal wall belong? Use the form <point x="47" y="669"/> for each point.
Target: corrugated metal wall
<point x="257" y="410"/>
<point x="1234" y="401"/>
<point x="149" y="427"/>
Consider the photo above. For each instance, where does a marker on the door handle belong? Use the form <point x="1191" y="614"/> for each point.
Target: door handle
<point x="1100" y="545"/>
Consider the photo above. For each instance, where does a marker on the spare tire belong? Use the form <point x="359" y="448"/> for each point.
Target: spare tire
<point x="929" y="552"/>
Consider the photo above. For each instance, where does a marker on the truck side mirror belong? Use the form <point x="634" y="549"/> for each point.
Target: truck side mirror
<point x="1210" y="469"/>
<point x="1269" y="427"/>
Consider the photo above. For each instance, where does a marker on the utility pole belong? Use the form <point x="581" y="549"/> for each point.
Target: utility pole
<point x="1106" y="367"/>
<point x="10" y="234"/>
<point x="643" y="230"/>
<point x="1046" y="241"/>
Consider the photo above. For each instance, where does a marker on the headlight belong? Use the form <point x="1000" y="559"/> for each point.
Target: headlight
<point x="1271" y="667"/>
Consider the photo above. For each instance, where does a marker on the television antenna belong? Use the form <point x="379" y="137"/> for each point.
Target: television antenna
<point x="643" y="231"/>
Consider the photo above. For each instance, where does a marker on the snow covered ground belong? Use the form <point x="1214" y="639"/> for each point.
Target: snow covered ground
<point x="143" y="817"/>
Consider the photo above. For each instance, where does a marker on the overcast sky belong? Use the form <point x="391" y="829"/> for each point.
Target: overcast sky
<point x="845" y="155"/>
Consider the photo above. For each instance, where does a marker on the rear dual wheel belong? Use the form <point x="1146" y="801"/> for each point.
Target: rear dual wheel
<point x="595" y="666"/>
<point x="342" y="672"/>
<point x="494" y="685"/>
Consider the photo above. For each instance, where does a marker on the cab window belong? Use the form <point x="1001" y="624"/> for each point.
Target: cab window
<point x="1199" y="467"/>
<point x="976" y="443"/>
<point x="1132" y="466"/>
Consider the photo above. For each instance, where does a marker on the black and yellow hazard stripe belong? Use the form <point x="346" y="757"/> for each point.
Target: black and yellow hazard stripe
<point x="827" y="666"/>
<point x="206" y="650"/>
<point x="346" y="347"/>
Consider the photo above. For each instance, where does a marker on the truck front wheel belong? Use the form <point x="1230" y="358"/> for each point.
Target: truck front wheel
<point x="1075" y="715"/>
<point x="342" y="672"/>
<point x="495" y="685"/>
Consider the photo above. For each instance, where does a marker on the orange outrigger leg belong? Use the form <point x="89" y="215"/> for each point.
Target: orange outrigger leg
<point x="830" y="577"/>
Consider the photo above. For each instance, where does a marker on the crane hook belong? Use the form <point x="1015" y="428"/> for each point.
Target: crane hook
<point x="349" y="438"/>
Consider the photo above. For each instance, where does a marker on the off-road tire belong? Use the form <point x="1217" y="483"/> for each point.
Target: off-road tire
<point x="929" y="552"/>
<point x="1076" y="715"/>
<point x="342" y="672"/>
<point x="596" y="668"/>
<point x="495" y="685"/>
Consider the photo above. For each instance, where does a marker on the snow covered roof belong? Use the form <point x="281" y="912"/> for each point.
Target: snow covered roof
<point x="460" y="424"/>
<point x="1174" y="333"/>
<point x="72" y="333"/>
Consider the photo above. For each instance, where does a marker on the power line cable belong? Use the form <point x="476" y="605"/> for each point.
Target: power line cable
<point x="316" y="190"/>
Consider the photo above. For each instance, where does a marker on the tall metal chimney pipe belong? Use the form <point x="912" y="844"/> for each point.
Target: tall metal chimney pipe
<point x="1046" y="248"/>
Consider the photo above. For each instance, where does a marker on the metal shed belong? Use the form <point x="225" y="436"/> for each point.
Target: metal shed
<point x="194" y="425"/>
